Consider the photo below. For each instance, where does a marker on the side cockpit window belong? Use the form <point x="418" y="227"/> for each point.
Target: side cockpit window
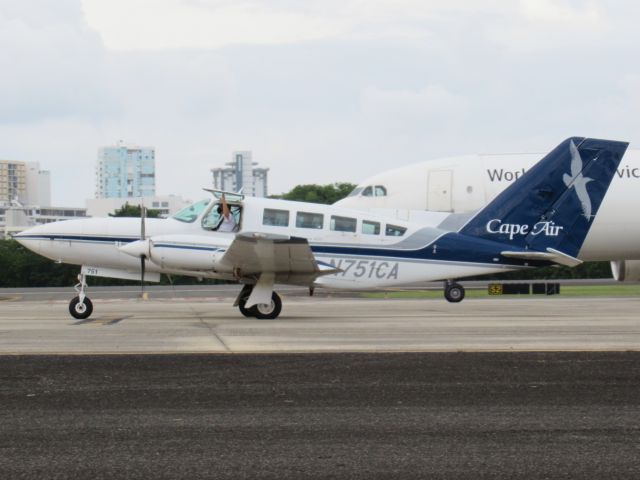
<point x="213" y="220"/>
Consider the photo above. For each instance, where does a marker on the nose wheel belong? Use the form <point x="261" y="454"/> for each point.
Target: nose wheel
<point x="80" y="307"/>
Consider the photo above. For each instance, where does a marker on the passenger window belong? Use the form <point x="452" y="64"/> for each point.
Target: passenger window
<point x="309" y="220"/>
<point x="370" y="228"/>
<point x="343" y="224"/>
<point x="394" y="231"/>
<point x="381" y="191"/>
<point x="367" y="192"/>
<point x="275" y="218"/>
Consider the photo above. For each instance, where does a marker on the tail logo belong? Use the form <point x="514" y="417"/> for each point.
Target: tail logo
<point x="578" y="182"/>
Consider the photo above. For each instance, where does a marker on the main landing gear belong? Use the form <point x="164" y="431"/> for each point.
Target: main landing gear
<point x="262" y="311"/>
<point x="453" y="292"/>
<point x="81" y="307"/>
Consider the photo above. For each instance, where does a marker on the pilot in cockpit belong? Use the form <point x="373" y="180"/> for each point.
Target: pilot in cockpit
<point x="227" y="221"/>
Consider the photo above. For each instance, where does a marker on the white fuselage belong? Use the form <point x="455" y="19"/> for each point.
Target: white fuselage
<point x="468" y="183"/>
<point x="370" y="250"/>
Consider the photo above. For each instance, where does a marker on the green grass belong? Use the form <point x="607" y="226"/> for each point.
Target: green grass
<point x="565" y="291"/>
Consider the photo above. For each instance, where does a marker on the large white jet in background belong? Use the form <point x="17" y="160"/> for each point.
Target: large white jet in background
<point x="467" y="183"/>
<point x="540" y="220"/>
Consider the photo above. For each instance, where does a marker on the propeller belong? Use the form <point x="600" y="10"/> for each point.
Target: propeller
<point x="143" y="256"/>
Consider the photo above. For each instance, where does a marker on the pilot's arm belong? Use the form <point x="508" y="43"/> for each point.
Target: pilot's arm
<point x="225" y="208"/>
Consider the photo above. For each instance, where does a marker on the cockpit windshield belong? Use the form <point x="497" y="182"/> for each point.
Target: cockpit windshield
<point x="192" y="212"/>
<point x="355" y="192"/>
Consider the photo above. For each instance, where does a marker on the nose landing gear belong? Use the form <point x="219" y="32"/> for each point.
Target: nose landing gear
<point x="80" y="307"/>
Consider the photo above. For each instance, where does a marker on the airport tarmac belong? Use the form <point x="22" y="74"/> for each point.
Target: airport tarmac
<point x="212" y="325"/>
<point x="480" y="389"/>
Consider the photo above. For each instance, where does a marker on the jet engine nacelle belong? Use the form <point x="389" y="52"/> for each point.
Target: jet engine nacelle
<point x="626" y="270"/>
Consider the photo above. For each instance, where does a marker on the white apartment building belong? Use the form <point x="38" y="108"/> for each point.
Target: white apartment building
<point x="241" y="173"/>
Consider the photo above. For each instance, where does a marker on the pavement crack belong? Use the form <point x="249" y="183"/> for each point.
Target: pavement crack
<point x="212" y="330"/>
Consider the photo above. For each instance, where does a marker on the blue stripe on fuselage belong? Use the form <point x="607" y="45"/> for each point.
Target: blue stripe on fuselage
<point x="451" y="247"/>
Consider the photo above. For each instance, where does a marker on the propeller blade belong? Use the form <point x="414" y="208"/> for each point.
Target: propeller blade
<point x="143" y="214"/>
<point x="143" y="257"/>
<point x="143" y="261"/>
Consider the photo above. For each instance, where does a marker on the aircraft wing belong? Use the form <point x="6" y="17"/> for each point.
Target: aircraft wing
<point x="255" y="253"/>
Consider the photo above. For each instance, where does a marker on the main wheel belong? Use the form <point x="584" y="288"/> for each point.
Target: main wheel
<point x="454" y="292"/>
<point x="268" y="311"/>
<point x="247" y="312"/>
<point x="80" y="310"/>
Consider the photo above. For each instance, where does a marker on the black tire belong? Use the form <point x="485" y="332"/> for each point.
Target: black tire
<point x="268" y="312"/>
<point x="247" y="312"/>
<point x="80" y="310"/>
<point x="454" y="292"/>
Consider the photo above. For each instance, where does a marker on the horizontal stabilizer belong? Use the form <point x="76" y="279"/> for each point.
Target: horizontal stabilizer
<point x="551" y="255"/>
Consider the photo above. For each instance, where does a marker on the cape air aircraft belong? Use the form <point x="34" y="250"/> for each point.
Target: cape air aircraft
<point x="465" y="184"/>
<point x="541" y="219"/>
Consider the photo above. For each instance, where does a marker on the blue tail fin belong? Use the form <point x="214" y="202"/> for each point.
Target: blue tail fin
<point x="554" y="203"/>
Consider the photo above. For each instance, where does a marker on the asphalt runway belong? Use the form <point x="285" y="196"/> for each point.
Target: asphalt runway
<point x="291" y="416"/>
<point x="530" y="387"/>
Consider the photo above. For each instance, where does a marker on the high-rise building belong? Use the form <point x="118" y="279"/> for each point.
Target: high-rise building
<point x="126" y="171"/>
<point x="241" y="173"/>
<point x="25" y="183"/>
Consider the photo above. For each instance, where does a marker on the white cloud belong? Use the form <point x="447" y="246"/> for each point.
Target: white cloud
<point x="432" y="101"/>
<point x="541" y="25"/>
<point x="166" y="24"/>
<point x="51" y="65"/>
<point x="320" y="91"/>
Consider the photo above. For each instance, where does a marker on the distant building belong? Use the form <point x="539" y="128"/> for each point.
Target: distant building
<point x="126" y="171"/>
<point x="24" y="183"/>
<point x="166" y="204"/>
<point x="14" y="219"/>
<point x="241" y="173"/>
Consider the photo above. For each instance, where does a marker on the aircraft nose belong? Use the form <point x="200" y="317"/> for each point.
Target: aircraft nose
<point x="29" y="238"/>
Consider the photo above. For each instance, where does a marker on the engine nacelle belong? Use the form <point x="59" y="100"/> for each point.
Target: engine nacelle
<point x="626" y="270"/>
<point x="179" y="252"/>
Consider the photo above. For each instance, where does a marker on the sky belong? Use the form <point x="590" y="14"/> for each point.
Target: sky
<point x="320" y="91"/>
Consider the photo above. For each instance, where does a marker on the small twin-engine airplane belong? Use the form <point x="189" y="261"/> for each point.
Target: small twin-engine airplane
<point x="541" y="219"/>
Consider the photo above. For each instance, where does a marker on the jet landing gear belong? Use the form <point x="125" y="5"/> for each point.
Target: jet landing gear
<point x="81" y="307"/>
<point x="262" y="311"/>
<point x="453" y="292"/>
